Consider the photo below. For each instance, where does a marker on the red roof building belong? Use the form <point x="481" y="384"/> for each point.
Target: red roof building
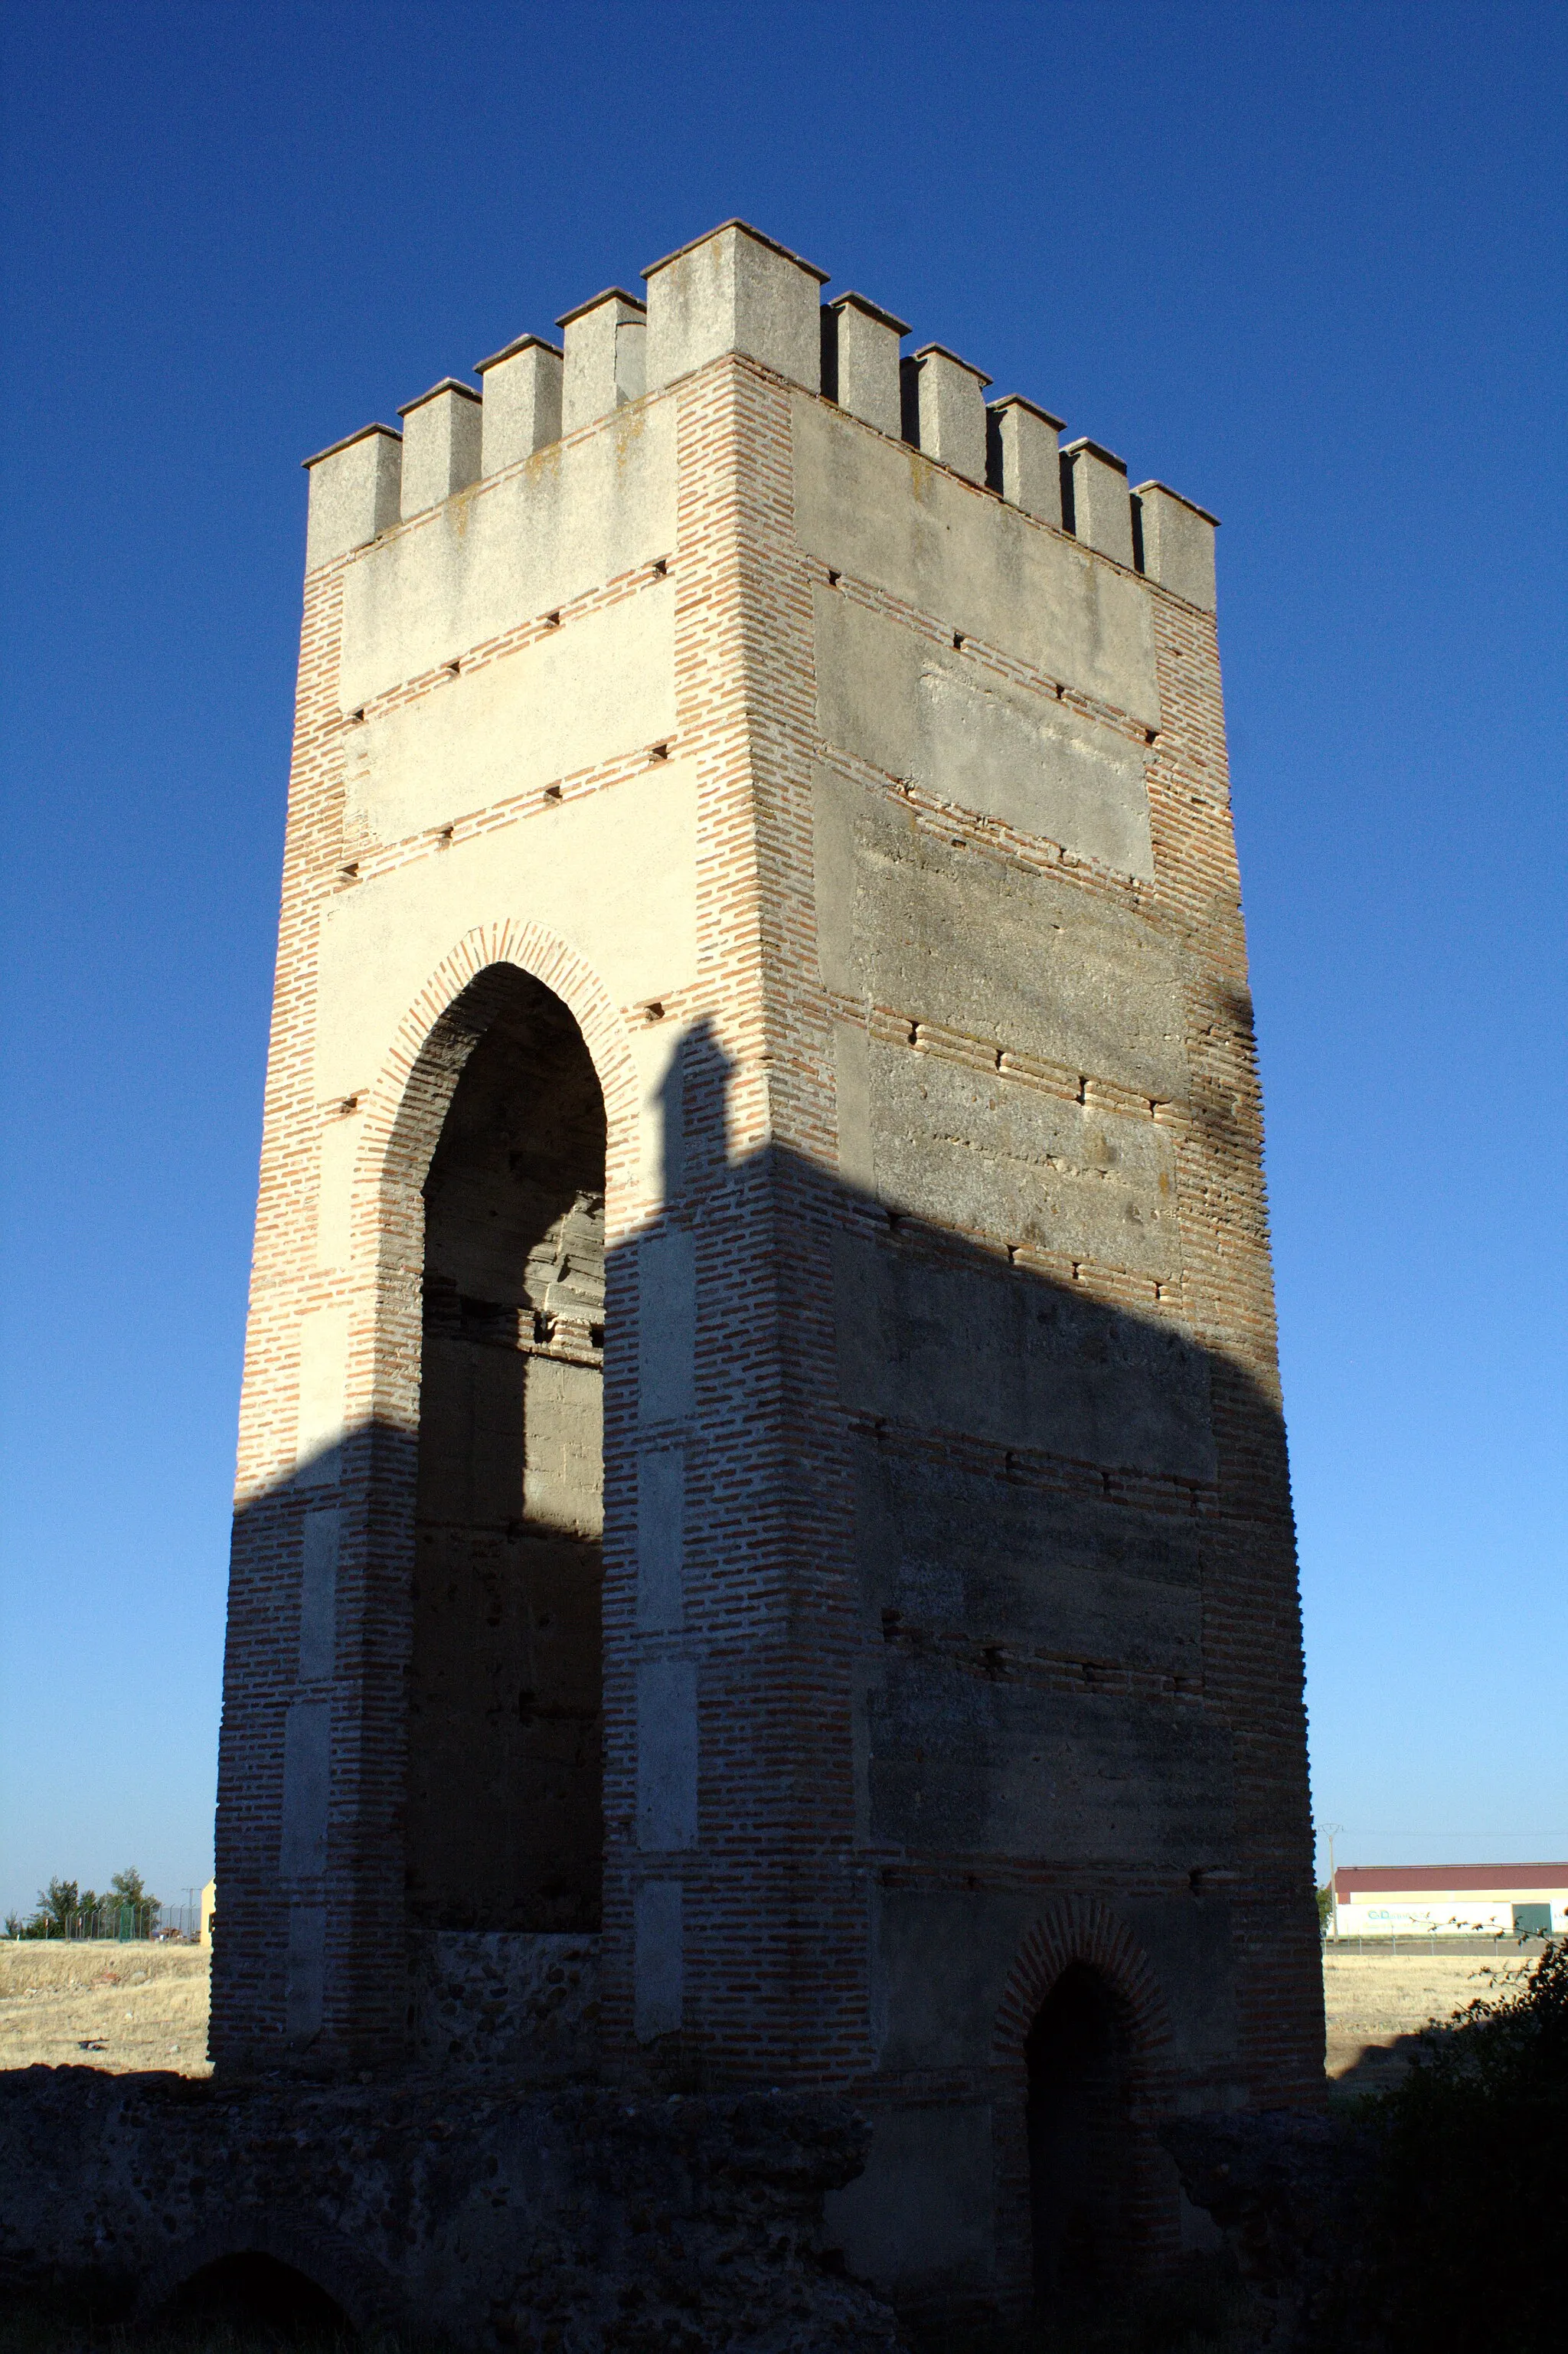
<point x="1518" y="1899"/>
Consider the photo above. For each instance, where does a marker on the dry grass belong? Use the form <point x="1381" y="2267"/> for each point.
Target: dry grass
<point x="142" y="2006"/>
<point x="102" y="2005"/>
<point x="1378" y="2003"/>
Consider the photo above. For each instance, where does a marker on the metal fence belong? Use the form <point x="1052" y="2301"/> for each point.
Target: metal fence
<point x="171" y="1924"/>
<point x="1435" y="1941"/>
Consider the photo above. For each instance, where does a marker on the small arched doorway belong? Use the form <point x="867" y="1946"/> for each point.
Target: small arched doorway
<point x="249" y="2298"/>
<point x="504" y="1825"/>
<point x="1081" y="2140"/>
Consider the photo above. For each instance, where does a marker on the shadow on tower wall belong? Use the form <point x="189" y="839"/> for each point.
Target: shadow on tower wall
<point x="942" y="1595"/>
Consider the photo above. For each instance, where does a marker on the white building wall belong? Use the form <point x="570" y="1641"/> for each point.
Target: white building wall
<point x="1446" y="1912"/>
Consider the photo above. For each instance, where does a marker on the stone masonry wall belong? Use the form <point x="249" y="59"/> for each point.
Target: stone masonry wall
<point x="566" y="2223"/>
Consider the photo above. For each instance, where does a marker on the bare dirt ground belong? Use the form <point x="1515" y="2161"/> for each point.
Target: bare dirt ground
<point x="104" y="2006"/>
<point x="140" y="2006"/>
<point x="1378" y="2003"/>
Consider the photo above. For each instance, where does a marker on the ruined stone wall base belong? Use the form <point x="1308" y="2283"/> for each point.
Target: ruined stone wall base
<point x="574" y="2220"/>
<point x="1291" y="2190"/>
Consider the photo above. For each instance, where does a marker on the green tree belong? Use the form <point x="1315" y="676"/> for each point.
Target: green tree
<point x="57" y="1903"/>
<point x="128" y="1887"/>
<point x="62" y="1903"/>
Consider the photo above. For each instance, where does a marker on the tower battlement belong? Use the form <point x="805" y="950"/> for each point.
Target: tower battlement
<point x="738" y="290"/>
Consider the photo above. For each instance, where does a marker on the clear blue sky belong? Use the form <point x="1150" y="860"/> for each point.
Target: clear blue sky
<point x="1304" y="262"/>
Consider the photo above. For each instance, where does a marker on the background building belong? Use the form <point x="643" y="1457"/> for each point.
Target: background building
<point x="1520" y="1899"/>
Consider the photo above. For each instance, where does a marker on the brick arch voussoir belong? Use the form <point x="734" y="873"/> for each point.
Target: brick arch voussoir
<point x="1082" y="1929"/>
<point x="409" y="1099"/>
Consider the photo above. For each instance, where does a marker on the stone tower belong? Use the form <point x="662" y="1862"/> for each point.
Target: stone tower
<point x="763" y="1550"/>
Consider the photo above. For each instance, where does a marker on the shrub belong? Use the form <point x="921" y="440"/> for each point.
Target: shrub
<point x="1471" y="2216"/>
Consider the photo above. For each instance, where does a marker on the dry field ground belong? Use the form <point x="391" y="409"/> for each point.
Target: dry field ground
<point x="136" y="2006"/>
<point x="1377" y="2003"/>
<point x="104" y="2006"/>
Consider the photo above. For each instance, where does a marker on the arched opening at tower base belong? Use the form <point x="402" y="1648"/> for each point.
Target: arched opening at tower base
<point x="505" y="1827"/>
<point x="1081" y="2142"/>
<point x="251" y="2298"/>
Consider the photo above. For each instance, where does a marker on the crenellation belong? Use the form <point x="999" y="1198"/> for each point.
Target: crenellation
<point x="734" y="291"/>
<point x="355" y="493"/>
<point x="606" y="362"/>
<point x="440" y="445"/>
<point x="1024" y="462"/>
<point x="944" y="411"/>
<point x="860" y="361"/>
<point x="1095" y="501"/>
<point x="522" y="415"/>
<point x="966" y="561"/>
<point x="737" y="291"/>
<point x="1177" y="543"/>
<point x="523" y="545"/>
